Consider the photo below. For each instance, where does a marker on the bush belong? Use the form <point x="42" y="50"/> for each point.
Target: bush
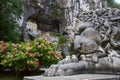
<point x="10" y="10"/>
<point x="31" y="56"/>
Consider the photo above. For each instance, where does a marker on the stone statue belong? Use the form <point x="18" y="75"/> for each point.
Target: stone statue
<point x="32" y="31"/>
<point x="88" y="41"/>
<point x="97" y="44"/>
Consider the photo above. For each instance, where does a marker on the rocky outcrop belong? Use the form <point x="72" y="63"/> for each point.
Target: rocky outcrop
<point x="56" y="15"/>
<point x="96" y="40"/>
<point x="43" y="13"/>
<point x="74" y="7"/>
<point x="90" y="24"/>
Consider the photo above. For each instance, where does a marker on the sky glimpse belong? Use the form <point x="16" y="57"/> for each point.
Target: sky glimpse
<point x="118" y="1"/>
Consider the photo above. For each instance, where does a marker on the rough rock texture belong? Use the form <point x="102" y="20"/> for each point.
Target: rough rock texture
<point x="96" y="40"/>
<point x="104" y="31"/>
<point x="74" y="7"/>
<point x="90" y="24"/>
<point x="43" y="13"/>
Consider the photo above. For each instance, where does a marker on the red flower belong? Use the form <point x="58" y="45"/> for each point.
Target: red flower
<point x="2" y="51"/>
<point x="32" y="55"/>
<point x="28" y="54"/>
<point x="2" y="42"/>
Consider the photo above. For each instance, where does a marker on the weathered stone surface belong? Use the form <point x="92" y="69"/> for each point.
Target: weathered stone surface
<point x="96" y="40"/>
<point x="76" y="77"/>
<point x="32" y="31"/>
<point x="41" y="11"/>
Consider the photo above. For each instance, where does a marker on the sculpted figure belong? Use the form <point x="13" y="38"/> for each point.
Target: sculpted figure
<point x="32" y="32"/>
<point x="96" y="42"/>
<point x="88" y="41"/>
<point x="81" y="66"/>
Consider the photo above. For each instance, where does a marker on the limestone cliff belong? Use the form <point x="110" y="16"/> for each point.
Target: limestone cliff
<point x="46" y="14"/>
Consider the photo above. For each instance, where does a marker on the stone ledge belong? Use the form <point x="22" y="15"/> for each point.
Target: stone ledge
<point x="76" y="77"/>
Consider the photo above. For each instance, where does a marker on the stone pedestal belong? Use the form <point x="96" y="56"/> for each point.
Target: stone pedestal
<point x="76" y="77"/>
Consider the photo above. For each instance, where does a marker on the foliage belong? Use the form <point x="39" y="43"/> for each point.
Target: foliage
<point x="55" y="34"/>
<point x="62" y="44"/>
<point x="62" y="40"/>
<point x="10" y="10"/>
<point x="113" y="4"/>
<point x="31" y="56"/>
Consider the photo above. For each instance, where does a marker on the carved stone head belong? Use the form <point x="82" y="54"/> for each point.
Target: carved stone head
<point x="87" y="40"/>
<point x="31" y="31"/>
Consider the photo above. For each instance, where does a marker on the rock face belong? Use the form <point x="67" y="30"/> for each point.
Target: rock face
<point x="43" y="13"/>
<point x="96" y="40"/>
<point x="90" y="24"/>
<point x="74" y="7"/>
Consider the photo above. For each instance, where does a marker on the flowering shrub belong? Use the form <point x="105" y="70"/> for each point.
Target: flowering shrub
<point x="33" y="55"/>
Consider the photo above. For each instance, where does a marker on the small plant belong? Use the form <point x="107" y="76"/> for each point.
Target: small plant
<point x="62" y="44"/>
<point x="55" y="34"/>
<point x="62" y="40"/>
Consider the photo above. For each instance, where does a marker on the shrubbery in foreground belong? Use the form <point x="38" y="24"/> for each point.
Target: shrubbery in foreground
<point x="31" y="56"/>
